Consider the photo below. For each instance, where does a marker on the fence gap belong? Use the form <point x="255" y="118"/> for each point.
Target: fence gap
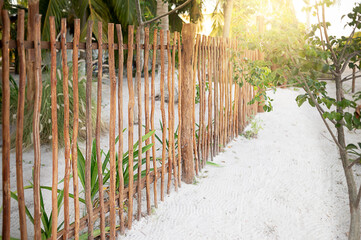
<point x="89" y="70"/>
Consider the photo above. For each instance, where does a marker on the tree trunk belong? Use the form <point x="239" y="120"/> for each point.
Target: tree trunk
<point x="228" y="6"/>
<point x="162" y="8"/>
<point x="354" y="232"/>
<point x="33" y="10"/>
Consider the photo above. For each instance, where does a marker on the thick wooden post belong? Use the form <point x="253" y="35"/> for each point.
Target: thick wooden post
<point x="188" y="34"/>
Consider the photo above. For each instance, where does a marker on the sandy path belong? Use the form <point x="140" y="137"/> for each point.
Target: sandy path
<point x="286" y="184"/>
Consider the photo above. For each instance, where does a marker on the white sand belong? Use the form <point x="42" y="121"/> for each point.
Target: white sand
<point x="286" y="184"/>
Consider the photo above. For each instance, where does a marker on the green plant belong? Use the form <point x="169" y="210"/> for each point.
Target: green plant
<point x="167" y="140"/>
<point x="339" y="111"/>
<point x="255" y="127"/>
<point x="46" y="218"/>
<point x="257" y="74"/>
<point x="45" y="117"/>
<point x="213" y="164"/>
<point x="197" y="99"/>
<point x="14" y="91"/>
<point x="105" y="167"/>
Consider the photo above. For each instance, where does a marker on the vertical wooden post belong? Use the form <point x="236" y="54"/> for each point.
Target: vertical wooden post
<point x="36" y="128"/>
<point x="154" y="58"/>
<point x="164" y="125"/>
<point x="188" y="34"/>
<point x="199" y="75"/>
<point x="172" y="116"/>
<point x="194" y="80"/>
<point x="66" y="126"/>
<point x="179" y="109"/>
<point x="203" y="100"/>
<point x="113" y="112"/>
<point x="221" y="86"/>
<point x="97" y="129"/>
<point x="226" y="91"/>
<point x="6" y="126"/>
<point x="210" y="77"/>
<point x="130" y="122"/>
<point x="75" y="124"/>
<point x="216" y="74"/>
<point x="169" y="82"/>
<point x="140" y="126"/>
<point x="146" y="114"/>
<point x="20" y="124"/>
<point x="54" y="122"/>
<point x="120" y="128"/>
<point x="89" y="80"/>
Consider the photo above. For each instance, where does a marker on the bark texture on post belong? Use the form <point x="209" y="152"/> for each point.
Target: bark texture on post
<point x="188" y="34"/>
<point x="33" y="9"/>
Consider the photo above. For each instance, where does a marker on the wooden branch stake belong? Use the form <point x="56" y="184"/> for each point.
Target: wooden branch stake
<point x="6" y="197"/>
<point x="36" y="129"/>
<point x="154" y="156"/>
<point x="20" y="125"/>
<point x="120" y="128"/>
<point x="130" y="122"/>
<point x="139" y="91"/>
<point x="164" y="125"/>
<point x="66" y="126"/>
<point x="169" y="81"/>
<point x="194" y="80"/>
<point x="174" y="162"/>
<point x="113" y="112"/>
<point x="179" y="109"/>
<point x="146" y="115"/>
<point x="75" y="125"/>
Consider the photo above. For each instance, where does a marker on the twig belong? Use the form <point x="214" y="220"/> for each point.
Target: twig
<point x="323" y="43"/>
<point x="348" y="60"/>
<point x="348" y="42"/>
<point x="319" y="26"/>
<point x="166" y="14"/>
<point x="326" y="34"/>
<point x="318" y="107"/>
<point x="354" y="162"/>
<point x="349" y="78"/>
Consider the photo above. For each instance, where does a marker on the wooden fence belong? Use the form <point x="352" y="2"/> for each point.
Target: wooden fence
<point x="205" y="126"/>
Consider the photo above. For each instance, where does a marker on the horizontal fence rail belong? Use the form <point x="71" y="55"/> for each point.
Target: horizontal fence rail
<point x="201" y="109"/>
